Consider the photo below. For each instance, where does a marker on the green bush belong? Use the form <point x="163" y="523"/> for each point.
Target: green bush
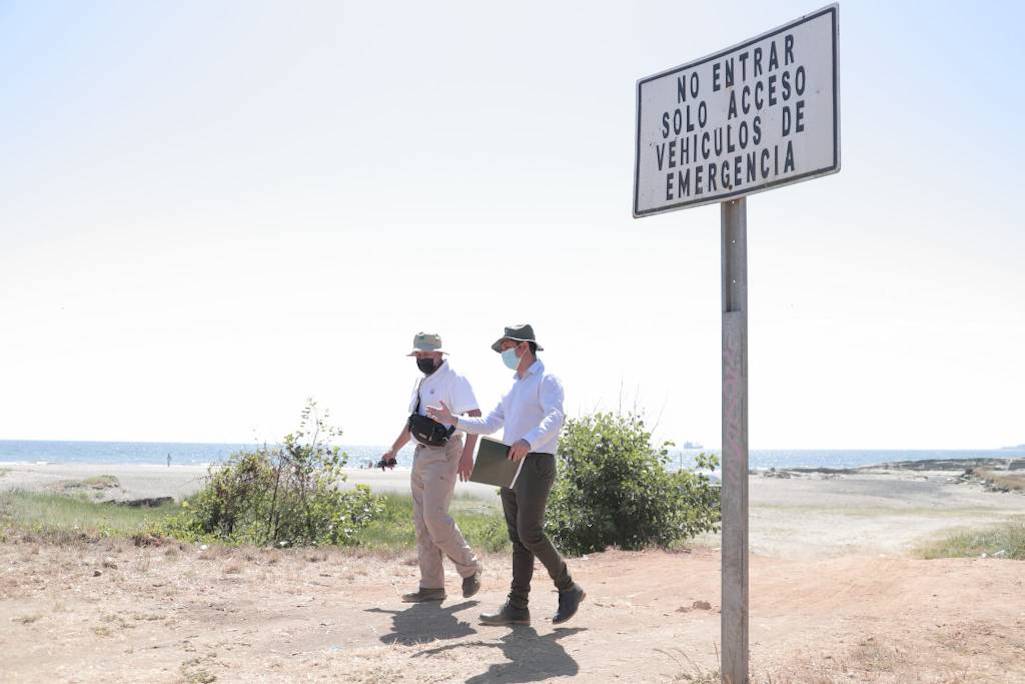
<point x="286" y="495"/>
<point x="613" y="489"/>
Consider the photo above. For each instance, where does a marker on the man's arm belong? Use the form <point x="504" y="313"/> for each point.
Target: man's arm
<point x="471" y="425"/>
<point x="466" y="462"/>
<point x="399" y="442"/>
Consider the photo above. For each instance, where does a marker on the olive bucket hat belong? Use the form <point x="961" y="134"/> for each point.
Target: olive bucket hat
<point x="426" y="342"/>
<point x="517" y="333"/>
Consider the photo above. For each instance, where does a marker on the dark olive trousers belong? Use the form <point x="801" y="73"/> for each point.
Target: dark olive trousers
<point x="524" y="507"/>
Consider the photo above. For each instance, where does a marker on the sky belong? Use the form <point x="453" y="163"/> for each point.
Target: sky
<point x="212" y="211"/>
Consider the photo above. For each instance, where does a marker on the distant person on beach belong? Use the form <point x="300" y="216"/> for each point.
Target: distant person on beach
<point x="169" y="460"/>
<point x="439" y="456"/>
<point x="531" y="413"/>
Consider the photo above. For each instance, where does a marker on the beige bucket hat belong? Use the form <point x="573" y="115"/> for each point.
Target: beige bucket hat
<point x="426" y="342"/>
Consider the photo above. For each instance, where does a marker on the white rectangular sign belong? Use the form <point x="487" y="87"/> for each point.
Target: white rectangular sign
<point x="755" y="116"/>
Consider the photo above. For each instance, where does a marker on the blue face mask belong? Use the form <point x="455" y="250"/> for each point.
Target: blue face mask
<point x="509" y="358"/>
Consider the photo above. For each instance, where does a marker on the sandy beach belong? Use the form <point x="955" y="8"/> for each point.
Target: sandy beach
<point x="139" y="481"/>
<point x="837" y="595"/>
<point x="136" y="481"/>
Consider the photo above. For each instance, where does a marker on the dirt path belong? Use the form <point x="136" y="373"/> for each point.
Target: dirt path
<point x="160" y="614"/>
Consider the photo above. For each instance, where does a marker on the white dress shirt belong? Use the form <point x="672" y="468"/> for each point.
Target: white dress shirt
<point x="531" y="410"/>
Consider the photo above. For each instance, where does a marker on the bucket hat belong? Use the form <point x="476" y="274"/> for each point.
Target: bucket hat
<point x="426" y="342"/>
<point x="522" y="332"/>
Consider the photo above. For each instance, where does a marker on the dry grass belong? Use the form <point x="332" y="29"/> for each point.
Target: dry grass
<point x="872" y="656"/>
<point x="1013" y="482"/>
<point x="997" y="541"/>
<point x="27" y="619"/>
<point x="212" y="552"/>
<point x="97" y="483"/>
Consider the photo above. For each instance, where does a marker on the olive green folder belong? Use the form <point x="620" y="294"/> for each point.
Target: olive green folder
<point x="493" y="466"/>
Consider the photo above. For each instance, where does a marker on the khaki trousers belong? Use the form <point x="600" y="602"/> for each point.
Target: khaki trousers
<point x="432" y="481"/>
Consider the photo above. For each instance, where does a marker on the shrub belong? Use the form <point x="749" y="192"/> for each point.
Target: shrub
<point x="613" y="489"/>
<point x="286" y="495"/>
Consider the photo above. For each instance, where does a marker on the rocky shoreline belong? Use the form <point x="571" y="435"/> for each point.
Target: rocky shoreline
<point x="1000" y="475"/>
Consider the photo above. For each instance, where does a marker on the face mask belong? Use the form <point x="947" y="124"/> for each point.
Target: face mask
<point x="426" y="366"/>
<point x="509" y="358"/>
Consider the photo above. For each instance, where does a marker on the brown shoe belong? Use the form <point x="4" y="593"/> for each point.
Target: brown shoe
<point x="506" y="615"/>
<point x="422" y="595"/>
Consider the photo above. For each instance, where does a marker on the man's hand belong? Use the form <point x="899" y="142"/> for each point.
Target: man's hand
<point x="442" y="414"/>
<point x="465" y="466"/>
<point x="518" y="450"/>
<point x="387" y="459"/>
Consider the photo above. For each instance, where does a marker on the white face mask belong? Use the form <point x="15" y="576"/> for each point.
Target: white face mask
<point x="509" y="358"/>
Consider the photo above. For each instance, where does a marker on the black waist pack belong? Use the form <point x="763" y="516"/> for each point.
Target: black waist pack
<point x="429" y="431"/>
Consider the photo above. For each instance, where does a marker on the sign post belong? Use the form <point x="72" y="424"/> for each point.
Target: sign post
<point x="733" y="505"/>
<point x="756" y="116"/>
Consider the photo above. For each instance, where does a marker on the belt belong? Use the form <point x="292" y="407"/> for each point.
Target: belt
<point x="441" y="446"/>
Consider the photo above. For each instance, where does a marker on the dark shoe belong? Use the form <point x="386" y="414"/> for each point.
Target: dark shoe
<point x="421" y="595"/>
<point x="471" y="584"/>
<point x="569" y="601"/>
<point x="506" y="615"/>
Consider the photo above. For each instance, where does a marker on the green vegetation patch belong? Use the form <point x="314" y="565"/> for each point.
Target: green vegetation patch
<point x="58" y="517"/>
<point x="280" y="496"/>
<point x="613" y="488"/>
<point x="392" y="530"/>
<point x="1001" y="541"/>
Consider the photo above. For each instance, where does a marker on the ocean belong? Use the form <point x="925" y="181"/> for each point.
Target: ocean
<point x="33" y="451"/>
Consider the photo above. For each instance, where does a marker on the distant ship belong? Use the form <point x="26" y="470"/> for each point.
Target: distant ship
<point x="692" y="445"/>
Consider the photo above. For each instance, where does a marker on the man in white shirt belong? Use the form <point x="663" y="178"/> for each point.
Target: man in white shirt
<point x="438" y="458"/>
<point x="531" y="413"/>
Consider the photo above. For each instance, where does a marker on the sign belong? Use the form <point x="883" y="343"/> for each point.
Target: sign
<point x="756" y="116"/>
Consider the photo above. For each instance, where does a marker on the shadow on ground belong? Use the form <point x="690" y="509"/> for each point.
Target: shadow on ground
<point x="531" y="657"/>
<point x="426" y="622"/>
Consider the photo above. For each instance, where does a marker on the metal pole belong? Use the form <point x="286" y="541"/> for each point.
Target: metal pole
<point x="734" y="615"/>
